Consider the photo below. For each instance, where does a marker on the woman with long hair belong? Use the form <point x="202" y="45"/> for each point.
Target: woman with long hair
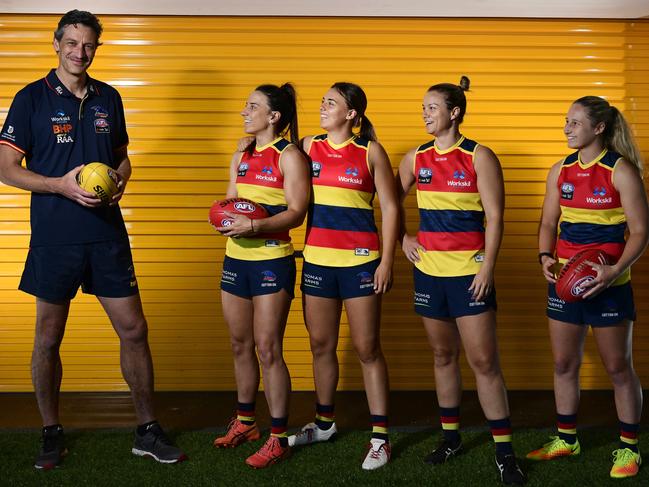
<point x="258" y="279"/>
<point x="343" y="261"/>
<point x="459" y="188"/>
<point x="595" y="199"/>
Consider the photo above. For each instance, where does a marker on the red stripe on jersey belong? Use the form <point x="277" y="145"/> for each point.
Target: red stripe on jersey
<point x="451" y="241"/>
<point x="342" y="239"/>
<point x="567" y="249"/>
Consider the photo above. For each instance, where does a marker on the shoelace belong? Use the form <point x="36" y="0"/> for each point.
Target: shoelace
<point x="622" y="456"/>
<point x="376" y="453"/>
<point x="267" y="448"/>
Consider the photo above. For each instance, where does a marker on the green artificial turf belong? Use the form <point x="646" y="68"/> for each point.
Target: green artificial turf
<point x="103" y="457"/>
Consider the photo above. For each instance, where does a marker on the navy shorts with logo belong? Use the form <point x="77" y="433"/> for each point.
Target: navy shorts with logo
<point x="339" y="282"/>
<point x="248" y="278"/>
<point x="54" y="273"/>
<point x="448" y="297"/>
<point x="608" y="308"/>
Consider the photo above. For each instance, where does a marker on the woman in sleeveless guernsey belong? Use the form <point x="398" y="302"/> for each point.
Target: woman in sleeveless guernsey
<point x="594" y="197"/>
<point x="343" y="262"/>
<point x="459" y="187"/>
<point x="257" y="283"/>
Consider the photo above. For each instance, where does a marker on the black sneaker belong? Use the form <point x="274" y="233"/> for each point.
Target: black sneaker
<point x="444" y="451"/>
<point x="155" y="444"/>
<point x="52" y="449"/>
<point x="510" y="472"/>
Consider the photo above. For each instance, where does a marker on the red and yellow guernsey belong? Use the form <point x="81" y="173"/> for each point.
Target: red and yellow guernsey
<point x="591" y="212"/>
<point x="341" y="231"/>
<point x="260" y="179"/>
<point x="451" y="216"/>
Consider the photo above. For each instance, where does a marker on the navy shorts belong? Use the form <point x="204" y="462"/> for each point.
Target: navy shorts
<point x="248" y="278"/>
<point x="339" y="282"/>
<point x="448" y="297"/>
<point x="608" y="308"/>
<point x="54" y="273"/>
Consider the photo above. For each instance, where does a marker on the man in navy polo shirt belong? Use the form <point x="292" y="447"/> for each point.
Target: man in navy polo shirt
<point x="57" y="124"/>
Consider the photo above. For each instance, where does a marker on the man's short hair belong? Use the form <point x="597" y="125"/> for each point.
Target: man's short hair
<point x="79" y="17"/>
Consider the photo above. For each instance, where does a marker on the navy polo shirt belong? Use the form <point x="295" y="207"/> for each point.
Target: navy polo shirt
<point x="56" y="132"/>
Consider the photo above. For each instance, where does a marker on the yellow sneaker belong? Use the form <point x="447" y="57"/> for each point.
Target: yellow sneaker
<point x="555" y="449"/>
<point x="626" y="463"/>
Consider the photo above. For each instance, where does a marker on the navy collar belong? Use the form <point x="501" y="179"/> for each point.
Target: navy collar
<point x="54" y="83"/>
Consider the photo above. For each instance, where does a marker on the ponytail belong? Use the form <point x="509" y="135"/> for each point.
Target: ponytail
<point x="617" y="135"/>
<point x="355" y="99"/>
<point x="367" y="129"/>
<point x="621" y="140"/>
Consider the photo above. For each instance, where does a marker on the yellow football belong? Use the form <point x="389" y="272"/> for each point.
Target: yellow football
<point x="98" y="178"/>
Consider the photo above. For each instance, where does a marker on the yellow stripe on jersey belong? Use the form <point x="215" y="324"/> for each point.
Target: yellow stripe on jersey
<point x="256" y="249"/>
<point x="330" y="196"/>
<point x="337" y="257"/>
<point x="450" y="264"/>
<point x="433" y="200"/>
<point x="613" y="216"/>
<point x="261" y="194"/>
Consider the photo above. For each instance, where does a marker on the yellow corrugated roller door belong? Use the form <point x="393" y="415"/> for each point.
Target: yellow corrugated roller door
<point x="184" y="81"/>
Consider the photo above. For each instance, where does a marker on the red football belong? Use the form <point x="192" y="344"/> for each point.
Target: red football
<point x="252" y="210"/>
<point x="577" y="272"/>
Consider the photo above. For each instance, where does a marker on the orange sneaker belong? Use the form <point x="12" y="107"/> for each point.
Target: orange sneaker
<point x="237" y="434"/>
<point x="269" y="454"/>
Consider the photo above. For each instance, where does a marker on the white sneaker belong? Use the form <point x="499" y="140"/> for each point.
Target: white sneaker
<point x="311" y="433"/>
<point x="377" y="455"/>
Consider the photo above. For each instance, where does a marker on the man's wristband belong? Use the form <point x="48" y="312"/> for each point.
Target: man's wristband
<point x="545" y="254"/>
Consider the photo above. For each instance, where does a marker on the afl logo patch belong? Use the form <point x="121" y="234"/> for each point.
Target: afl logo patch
<point x="567" y="191"/>
<point x="242" y="169"/>
<point x="425" y="175"/>
<point x="315" y="169"/>
<point x="102" y="126"/>
<point x="244" y="207"/>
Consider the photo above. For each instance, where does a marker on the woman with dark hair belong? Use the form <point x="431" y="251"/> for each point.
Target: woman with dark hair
<point x="257" y="284"/>
<point x="343" y="262"/>
<point x="594" y="197"/>
<point x="459" y="188"/>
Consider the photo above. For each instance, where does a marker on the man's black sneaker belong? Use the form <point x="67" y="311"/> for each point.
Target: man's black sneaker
<point x="510" y="472"/>
<point x="444" y="451"/>
<point x="155" y="444"/>
<point x="52" y="448"/>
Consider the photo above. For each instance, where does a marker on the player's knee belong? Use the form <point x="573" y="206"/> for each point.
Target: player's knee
<point x="241" y="348"/>
<point x="566" y="366"/>
<point x="322" y="345"/>
<point x="269" y="352"/>
<point x="49" y="334"/>
<point x="485" y="364"/>
<point x="444" y="356"/>
<point x="134" y="331"/>
<point x="368" y="352"/>
<point x="620" y="370"/>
